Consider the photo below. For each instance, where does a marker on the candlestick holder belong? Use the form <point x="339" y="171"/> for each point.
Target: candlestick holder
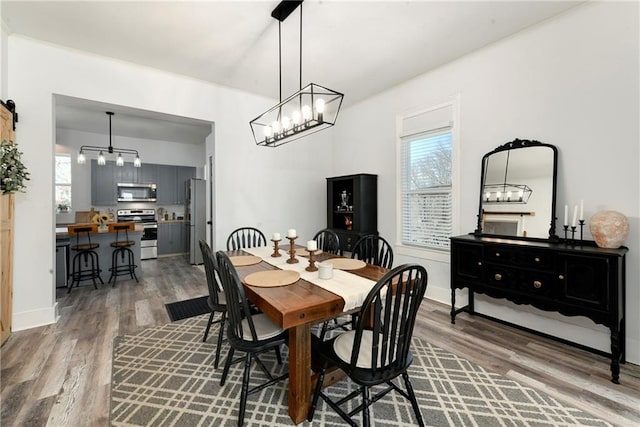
<point x="312" y="265"/>
<point x="292" y="250"/>
<point x="581" y="222"/>
<point x="573" y="234"/>
<point x="566" y="228"/>
<point x="276" y="252"/>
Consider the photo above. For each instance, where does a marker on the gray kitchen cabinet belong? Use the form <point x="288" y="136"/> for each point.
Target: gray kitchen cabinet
<point x="171" y="238"/>
<point x="167" y="176"/>
<point x="103" y="184"/>
<point x="183" y="174"/>
<point x="148" y="173"/>
<point x="127" y="174"/>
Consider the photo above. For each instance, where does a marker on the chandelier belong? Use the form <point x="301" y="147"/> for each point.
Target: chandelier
<point x="309" y="110"/>
<point x="110" y="149"/>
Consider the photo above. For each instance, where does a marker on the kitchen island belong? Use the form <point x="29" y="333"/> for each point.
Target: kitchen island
<point x="104" y="238"/>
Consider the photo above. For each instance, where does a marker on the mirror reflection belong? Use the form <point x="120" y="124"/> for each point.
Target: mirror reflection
<point x="518" y="190"/>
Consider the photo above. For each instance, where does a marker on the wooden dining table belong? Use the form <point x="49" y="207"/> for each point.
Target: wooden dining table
<point x="298" y="307"/>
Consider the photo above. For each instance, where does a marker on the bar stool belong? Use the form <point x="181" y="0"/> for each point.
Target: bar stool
<point x="90" y="268"/>
<point x="122" y="250"/>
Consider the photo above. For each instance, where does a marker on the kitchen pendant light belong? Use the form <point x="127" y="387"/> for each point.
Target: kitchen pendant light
<point x="110" y="149"/>
<point x="311" y="109"/>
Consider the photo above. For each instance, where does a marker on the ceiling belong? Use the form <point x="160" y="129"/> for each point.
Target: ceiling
<point x="359" y="48"/>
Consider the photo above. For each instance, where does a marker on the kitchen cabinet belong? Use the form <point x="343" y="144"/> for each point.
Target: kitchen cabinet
<point x="352" y="207"/>
<point x="147" y="173"/>
<point x="171" y="183"/>
<point x="103" y="184"/>
<point x="172" y="238"/>
<point x="574" y="280"/>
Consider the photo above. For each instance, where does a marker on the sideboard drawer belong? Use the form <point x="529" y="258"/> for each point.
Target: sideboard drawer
<point x="522" y="281"/>
<point x="526" y="258"/>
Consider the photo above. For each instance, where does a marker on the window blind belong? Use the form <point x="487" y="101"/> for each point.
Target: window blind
<point x="426" y="162"/>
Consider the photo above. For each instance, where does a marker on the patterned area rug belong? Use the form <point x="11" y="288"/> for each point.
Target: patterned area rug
<point x="164" y="376"/>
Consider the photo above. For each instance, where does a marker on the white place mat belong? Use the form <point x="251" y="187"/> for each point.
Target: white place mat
<point x="352" y="288"/>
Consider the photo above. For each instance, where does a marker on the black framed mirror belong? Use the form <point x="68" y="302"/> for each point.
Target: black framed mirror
<point x="518" y="191"/>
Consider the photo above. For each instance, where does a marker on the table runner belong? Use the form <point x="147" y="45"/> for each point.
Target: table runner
<point x="352" y="288"/>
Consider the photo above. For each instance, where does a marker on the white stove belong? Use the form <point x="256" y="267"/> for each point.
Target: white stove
<point x="149" y="240"/>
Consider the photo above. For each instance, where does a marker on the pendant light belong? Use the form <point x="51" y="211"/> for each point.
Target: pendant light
<point x="110" y="149"/>
<point x="311" y="109"/>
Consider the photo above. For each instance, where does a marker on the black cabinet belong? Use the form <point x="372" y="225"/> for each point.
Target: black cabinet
<point x="172" y="238"/>
<point x="352" y="207"/>
<point x="574" y="280"/>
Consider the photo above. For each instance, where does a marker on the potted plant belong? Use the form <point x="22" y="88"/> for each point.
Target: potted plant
<point x="13" y="172"/>
<point x="63" y="207"/>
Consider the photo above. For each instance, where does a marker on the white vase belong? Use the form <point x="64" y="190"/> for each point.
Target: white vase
<point x="609" y="229"/>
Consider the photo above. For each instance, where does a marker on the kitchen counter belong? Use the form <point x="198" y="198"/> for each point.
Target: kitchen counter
<point x="104" y="238"/>
<point x="172" y="221"/>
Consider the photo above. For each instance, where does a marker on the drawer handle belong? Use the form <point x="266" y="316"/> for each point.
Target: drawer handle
<point x="536" y="259"/>
<point x="537" y="284"/>
<point x="498" y="276"/>
<point x="479" y="263"/>
<point x="561" y="277"/>
<point x="497" y="254"/>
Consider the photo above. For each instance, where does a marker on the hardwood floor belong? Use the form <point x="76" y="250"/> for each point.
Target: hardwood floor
<point x="60" y="375"/>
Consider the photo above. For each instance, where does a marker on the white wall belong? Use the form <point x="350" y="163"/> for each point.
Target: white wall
<point x="274" y="189"/>
<point x="571" y="82"/>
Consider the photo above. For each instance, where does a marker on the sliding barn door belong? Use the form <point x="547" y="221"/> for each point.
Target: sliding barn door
<point x="6" y="238"/>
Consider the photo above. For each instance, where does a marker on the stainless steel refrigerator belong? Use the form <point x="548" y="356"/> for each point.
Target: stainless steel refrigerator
<point x="195" y="213"/>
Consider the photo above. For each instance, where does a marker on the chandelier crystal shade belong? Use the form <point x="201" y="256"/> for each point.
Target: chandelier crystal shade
<point x="311" y="109"/>
<point x="82" y="159"/>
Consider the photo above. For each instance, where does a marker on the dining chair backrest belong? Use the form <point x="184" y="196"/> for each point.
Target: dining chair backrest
<point x="373" y="249"/>
<point x="211" y="271"/>
<point x="245" y="237"/>
<point x="393" y="304"/>
<point x="328" y="241"/>
<point x="234" y="291"/>
<point x="85" y="230"/>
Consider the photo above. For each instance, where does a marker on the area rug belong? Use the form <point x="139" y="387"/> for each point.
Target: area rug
<point x="187" y="308"/>
<point x="164" y="376"/>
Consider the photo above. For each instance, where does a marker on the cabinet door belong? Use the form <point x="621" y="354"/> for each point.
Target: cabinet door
<point x="166" y="184"/>
<point x="126" y="174"/>
<point x="466" y="260"/>
<point x="164" y="238"/>
<point x="148" y="174"/>
<point x="586" y="280"/>
<point x="103" y="184"/>
<point x="183" y="173"/>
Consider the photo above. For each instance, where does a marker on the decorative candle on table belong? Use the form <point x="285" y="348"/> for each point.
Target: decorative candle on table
<point x="312" y="247"/>
<point x="292" y="236"/>
<point x="581" y="218"/>
<point x="275" y="239"/>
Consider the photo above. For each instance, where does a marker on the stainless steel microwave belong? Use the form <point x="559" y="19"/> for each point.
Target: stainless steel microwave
<point x="136" y="192"/>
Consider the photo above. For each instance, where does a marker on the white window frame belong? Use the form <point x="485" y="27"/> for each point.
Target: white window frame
<point x="56" y="184"/>
<point x="439" y="255"/>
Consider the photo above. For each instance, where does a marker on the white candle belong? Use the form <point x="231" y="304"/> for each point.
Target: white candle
<point x="566" y="215"/>
<point x="291" y="232"/>
<point x="312" y="245"/>
<point x="276" y="236"/>
<point x="575" y="215"/>
<point x="581" y="210"/>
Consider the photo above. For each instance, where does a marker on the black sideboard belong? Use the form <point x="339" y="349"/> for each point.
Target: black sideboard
<point x="574" y="280"/>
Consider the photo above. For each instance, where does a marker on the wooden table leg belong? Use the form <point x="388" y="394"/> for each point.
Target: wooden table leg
<point x="299" y="372"/>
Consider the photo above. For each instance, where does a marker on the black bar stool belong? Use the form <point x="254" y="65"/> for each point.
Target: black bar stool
<point x="122" y="251"/>
<point x="85" y="264"/>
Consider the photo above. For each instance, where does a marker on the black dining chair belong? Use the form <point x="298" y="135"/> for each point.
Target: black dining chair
<point x="373" y="249"/>
<point x="245" y="237"/>
<point x="250" y="333"/>
<point x="217" y="302"/>
<point x="328" y="241"/>
<point x="377" y="354"/>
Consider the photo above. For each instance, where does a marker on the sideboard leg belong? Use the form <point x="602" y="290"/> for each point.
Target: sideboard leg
<point x="615" y="356"/>
<point x="453" y="306"/>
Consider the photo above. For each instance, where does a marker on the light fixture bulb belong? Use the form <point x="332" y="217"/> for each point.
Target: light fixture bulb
<point x="487" y="195"/>
<point x="136" y="162"/>
<point x="268" y="132"/>
<point x="320" y="105"/>
<point x="101" y="160"/>
<point x="81" y="158"/>
<point x="306" y="112"/>
<point x="275" y="126"/>
<point x="286" y="123"/>
<point x="508" y="195"/>
<point x="295" y="117"/>
<point x="498" y="194"/>
<point x="119" y="160"/>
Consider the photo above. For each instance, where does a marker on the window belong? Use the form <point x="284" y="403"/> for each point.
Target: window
<point x="425" y="184"/>
<point x="426" y="190"/>
<point x="63" y="182"/>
